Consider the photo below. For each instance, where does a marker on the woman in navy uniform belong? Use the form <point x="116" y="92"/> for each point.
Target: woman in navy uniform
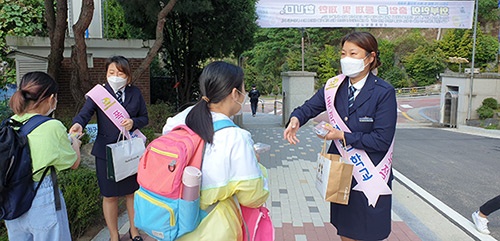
<point x="119" y="78"/>
<point x="372" y="122"/>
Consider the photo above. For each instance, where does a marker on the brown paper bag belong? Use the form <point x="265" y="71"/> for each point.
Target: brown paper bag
<point x="333" y="177"/>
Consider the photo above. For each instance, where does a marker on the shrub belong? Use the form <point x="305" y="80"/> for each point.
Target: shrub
<point x="485" y="112"/>
<point x="158" y="114"/>
<point x="3" y="232"/>
<point x="491" y="103"/>
<point x="5" y="111"/>
<point x="149" y="133"/>
<point x="83" y="200"/>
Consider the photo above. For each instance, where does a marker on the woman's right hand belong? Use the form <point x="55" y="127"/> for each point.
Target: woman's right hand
<point x="290" y="133"/>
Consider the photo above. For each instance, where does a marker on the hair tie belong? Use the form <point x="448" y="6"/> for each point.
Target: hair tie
<point x="26" y="95"/>
<point x="206" y="99"/>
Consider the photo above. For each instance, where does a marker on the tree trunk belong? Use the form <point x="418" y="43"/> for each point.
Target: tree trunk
<point x="57" y="31"/>
<point x="80" y="78"/>
<point x="162" y="15"/>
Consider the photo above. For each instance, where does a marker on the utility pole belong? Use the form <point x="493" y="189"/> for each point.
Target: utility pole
<point x="302" y="30"/>
<point x="472" y="62"/>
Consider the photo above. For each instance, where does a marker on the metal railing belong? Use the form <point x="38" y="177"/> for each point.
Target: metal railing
<point x="276" y="102"/>
<point x="416" y="91"/>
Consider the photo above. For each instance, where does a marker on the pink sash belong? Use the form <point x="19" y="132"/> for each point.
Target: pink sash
<point x="372" y="181"/>
<point x="116" y="113"/>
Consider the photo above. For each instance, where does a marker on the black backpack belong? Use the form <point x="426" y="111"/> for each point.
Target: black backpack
<point x="17" y="189"/>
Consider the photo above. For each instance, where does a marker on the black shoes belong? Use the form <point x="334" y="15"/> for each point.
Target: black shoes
<point x="136" y="238"/>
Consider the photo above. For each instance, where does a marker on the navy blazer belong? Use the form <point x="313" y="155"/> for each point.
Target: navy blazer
<point x="107" y="132"/>
<point x="372" y="118"/>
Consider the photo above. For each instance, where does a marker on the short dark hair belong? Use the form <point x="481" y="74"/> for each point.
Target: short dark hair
<point x="122" y="65"/>
<point x="365" y="41"/>
<point x="253" y="86"/>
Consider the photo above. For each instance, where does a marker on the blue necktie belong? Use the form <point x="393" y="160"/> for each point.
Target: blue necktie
<point x="119" y="96"/>
<point x="350" y="94"/>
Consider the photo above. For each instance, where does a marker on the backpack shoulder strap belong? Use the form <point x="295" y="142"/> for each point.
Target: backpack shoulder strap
<point x="33" y="123"/>
<point x="25" y="129"/>
<point x="221" y="124"/>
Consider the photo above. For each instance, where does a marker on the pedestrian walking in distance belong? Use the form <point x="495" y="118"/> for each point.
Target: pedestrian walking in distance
<point x="254" y="99"/>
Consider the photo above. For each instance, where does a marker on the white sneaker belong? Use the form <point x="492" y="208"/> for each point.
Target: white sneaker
<point x="480" y="222"/>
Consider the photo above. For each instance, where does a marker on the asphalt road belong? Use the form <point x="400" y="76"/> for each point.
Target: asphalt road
<point x="460" y="170"/>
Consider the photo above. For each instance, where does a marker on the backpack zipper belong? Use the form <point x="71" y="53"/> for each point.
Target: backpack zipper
<point x="158" y="203"/>
<point x="165" y="153"/>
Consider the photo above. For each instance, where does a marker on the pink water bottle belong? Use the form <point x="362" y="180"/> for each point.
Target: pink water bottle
<point x="191" y="179"/>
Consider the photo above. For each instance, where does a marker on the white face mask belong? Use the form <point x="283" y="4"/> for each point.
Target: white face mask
<point x="51" y="109"/>
<point x="241" y="104"/>
<point x="352" y="67"/>
<point x="116" y="82"/>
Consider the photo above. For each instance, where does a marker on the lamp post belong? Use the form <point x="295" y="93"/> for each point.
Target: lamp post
<point x="302" y="44"/>
<point x="472" y="62"/>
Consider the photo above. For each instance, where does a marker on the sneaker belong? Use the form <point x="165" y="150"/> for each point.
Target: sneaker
<point x="480" y="222"/>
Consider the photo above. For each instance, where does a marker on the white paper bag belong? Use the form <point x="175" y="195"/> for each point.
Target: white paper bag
<point x="123" y="158"/>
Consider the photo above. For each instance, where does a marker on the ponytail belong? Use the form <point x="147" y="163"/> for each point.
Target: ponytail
<point x="200" y="121"/>
<point x="217" y="81"/>
<point x="34" y="88"/>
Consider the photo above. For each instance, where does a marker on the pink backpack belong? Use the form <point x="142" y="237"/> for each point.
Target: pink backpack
<point x="259" y="224"/>
<point x="161" y="166"/>
<point x="159" y="209"/>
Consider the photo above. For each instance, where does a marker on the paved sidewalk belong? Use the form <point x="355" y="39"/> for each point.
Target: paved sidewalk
<point x="297" y="210"/>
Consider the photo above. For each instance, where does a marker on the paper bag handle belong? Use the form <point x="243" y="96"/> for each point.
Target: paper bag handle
<point x="122" y="134"/>
<point x="323" y="149"/>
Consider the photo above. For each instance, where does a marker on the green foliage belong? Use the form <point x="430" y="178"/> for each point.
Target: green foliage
<point x="491" y="103"/>
<point x="396" y="76"/>
<point x="115" y="26"/>
<point x="82" y="197"/>
<point x="387" y="57"/>
<point x="18" y="18"/>
<point x="5" y="111"/>
<point x="266" y="60"/>
<point x="279" y="50"/>
<point x="196" y="31"/>
<point x="491" y="127"/>
<point x="459" y="43"/>
<point x="3" y="232"/>
<point x="407" y="44"/>
<point x="158" y="114"/>
<point x="488" y="108"/>
<point x="485" y="112"/>
<point x="149" y="133"/>
<point x="329" y="61"/>
<point x="488" y="10"/>
<point x="425" y="64"/>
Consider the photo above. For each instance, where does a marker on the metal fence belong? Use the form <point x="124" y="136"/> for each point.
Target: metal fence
<point x="417" y="91"/>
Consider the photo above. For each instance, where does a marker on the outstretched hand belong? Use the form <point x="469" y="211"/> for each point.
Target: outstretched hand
<point x="290" y="133"/>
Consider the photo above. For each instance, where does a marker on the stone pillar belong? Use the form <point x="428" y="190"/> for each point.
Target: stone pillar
<point x="298" y="86"/>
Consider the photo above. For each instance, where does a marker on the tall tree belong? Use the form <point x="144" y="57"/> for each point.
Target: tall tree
<point x="56" y="24"/>
<point x="153" y="51"/>
<point x="80" y="78"/>
<point x="196" y="31"/>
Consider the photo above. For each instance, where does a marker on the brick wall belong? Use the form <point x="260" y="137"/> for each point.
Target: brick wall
<point x="97" y="76"/>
